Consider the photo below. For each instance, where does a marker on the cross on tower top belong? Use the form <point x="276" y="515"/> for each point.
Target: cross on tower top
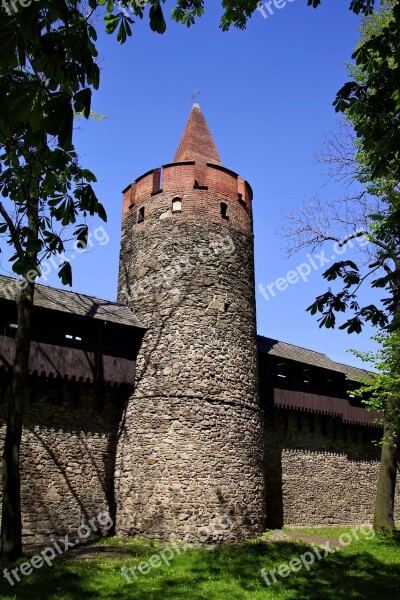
<point x="196" y="93"/>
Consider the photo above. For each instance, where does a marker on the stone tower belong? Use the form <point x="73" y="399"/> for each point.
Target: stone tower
<point x="190" y="450"/>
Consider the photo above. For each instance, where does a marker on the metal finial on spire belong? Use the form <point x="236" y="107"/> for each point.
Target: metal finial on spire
<point x="196" y="93"/>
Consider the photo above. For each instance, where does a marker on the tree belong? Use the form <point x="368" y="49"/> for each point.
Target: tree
<point x="45" y="188"/>
<point x="372" y="99"/>
<point x="57" y="42"/>
<point x="374" y="210"/>
<point x="353" y="220"/>
<point x="364" y="219"/>
<point x="345" y="222"/>
<point x="381" y="393"/>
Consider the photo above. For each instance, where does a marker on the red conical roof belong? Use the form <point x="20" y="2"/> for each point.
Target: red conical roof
<point x="197" y="142"/>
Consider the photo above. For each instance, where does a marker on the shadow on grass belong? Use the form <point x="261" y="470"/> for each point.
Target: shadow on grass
<point x="232" y="572"/>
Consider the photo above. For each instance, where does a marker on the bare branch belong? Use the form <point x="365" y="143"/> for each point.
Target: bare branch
<point x="317" y="221"/>
<point x="13" y="230"/>
<point x="352" y="236"/>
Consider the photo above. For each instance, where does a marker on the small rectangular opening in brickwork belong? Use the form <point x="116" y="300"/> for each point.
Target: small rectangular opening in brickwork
<point x="224" y="210"/>
<point x="177" y="205"/>
<point x="197" y="186"/>
<point x="242" y="201"/>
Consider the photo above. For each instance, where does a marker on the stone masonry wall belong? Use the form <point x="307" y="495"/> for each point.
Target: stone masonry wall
<point x="67" y="455"/>
<point x="184" y="461"/>
<point x="191" y="446"/>
<point x="320" y="471"/>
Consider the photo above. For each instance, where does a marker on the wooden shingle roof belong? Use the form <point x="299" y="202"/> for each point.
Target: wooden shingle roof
<point x="309" y="357"/>
<point x="72" y="303"/>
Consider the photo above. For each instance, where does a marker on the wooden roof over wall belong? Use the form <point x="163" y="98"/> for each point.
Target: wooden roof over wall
<point x="308" y="357"/>
<point x="72" y="303"/>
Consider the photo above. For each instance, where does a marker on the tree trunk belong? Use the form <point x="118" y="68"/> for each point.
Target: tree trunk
<point x="386" y="490"/>
<point x="11" y="523"/>
<point x="384" y="504"/>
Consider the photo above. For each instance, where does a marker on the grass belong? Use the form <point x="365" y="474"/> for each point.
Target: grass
<point x="332" y="531"/>
<point x="363" y="570"/>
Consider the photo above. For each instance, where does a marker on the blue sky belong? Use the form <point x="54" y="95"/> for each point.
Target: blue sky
<point x="267" y="94"/>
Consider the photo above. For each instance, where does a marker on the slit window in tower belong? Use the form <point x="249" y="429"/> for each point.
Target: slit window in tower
<point x="224" y="210"/>
<point x="141" y="214"/>
<point x="177" y="205"/>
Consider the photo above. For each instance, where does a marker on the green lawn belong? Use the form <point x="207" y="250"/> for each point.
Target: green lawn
<point x="364" y="570"/>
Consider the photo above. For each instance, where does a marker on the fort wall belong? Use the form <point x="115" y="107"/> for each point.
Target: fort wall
<point x="320" y="471"/>
<point x="67" y="454"/>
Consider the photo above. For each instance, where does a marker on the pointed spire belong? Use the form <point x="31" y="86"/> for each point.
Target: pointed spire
<point x="197" y="142"/>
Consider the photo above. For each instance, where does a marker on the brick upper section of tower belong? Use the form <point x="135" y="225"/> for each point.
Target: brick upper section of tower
<point x="197" y="178"/>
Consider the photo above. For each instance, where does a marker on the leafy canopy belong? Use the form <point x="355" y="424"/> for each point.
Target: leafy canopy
<point x="381" y="391"/>
<point x="372" y="107"/>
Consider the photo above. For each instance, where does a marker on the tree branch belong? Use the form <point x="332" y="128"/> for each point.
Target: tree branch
<point x="13" y="231"/>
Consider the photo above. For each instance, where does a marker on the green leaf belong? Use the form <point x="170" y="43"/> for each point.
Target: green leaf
<point x="121" y="36"/>
<point x="396" y="98"/>
<point x="101" y="212"/>
<point x="82" y="102"/>
<point x="112" y="22"/>
<point x="65" y="273"/>
<point x="59" y="119"/>
<point x="157" y="21"/>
